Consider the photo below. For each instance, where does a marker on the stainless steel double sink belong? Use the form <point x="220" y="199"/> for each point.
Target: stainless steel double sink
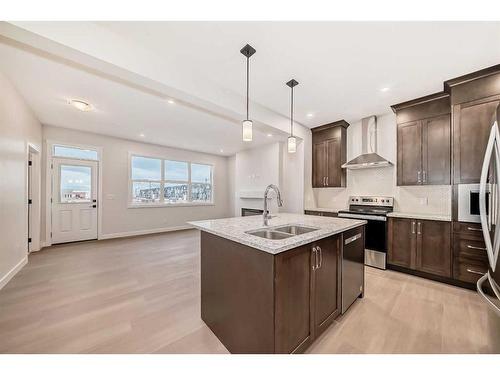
<point x="281" y="232"/>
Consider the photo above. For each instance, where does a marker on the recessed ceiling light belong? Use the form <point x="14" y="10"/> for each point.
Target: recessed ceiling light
<point x="80" y="105"/>
<point x="384" y="89"/>
<point x="170" y="101"/>
<point x="141" y="135"/>
<point x="221" y="150"/>
<point x="310" y="115"/>
<point x="269" y="135"/>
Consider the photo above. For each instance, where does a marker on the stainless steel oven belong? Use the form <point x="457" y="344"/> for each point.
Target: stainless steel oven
<point x="374" y="210"/>
<point x="468" y="203"/>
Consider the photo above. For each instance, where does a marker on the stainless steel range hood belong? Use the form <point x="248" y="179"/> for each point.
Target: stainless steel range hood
<point x="369" y="157"/>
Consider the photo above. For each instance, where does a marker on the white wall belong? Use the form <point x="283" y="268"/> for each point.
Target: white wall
<point x="117" y="218"/>
<point x="18" y="128"/>
<point x="270" y="164"/>
<point x="382" y="181"/>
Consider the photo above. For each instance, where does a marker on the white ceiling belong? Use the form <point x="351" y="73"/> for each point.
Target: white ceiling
<point x="341" y="67"/>
<point x="118" y="110"/>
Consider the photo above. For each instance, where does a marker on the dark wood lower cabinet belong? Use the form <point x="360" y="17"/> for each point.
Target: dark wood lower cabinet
<point x="326" y="284"/>
<point x="420" y="245"/>
<point x="433" y="253"/>
<point x="256" y="302"/>
<point x="293" y="285"/>
<point x="401" y="238"/>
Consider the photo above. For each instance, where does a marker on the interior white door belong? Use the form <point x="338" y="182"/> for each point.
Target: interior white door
<point x="74" y="200"/>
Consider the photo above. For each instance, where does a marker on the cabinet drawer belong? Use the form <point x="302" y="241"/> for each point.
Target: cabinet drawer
<point x="468" y="229"/>
<point x="467" y="248"/>
<point x="320" y="213"/>
<point x="468" y="270"/>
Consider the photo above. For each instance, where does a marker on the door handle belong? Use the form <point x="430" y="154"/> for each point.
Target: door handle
<point x="412" y="227"/>
<point x="419" y="228"/>
<point x="93" y="206"/>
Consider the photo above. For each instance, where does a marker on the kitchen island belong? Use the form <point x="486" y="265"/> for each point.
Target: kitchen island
<point x="275" y="288"/>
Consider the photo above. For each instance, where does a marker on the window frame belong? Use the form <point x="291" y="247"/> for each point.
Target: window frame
<point x="164" y="181"/>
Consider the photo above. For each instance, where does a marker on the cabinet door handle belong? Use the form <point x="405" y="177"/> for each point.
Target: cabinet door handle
<point x="314" y="262"/>
<point x="418" y="177"/>
<point x="320" y="257"/>
<point x="419" y="228"/>
<point x="327" y="180"/>
<point x="424" y="176"/>
<point x="412" y="227"/>
<point x="324" y="181"/>
<point x="475" y="272"/>
<point x="476" y="247"/>
<point x="474" y="229"/>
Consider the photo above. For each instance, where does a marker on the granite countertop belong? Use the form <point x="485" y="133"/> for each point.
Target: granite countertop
<point x="234" y="229"/>
<point x="411" y="215"/>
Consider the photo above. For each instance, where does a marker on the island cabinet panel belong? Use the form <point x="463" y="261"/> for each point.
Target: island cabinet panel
<point x="257" y="302"/>
<point x="293" y="285"/>
<point x="421" y="245"/>
<point x="237" y="296"/>
<point x="326" y="283"/>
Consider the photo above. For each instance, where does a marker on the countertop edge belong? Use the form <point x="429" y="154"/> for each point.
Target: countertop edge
<point x="284" y="248"/>
<point x="410" y="215"/>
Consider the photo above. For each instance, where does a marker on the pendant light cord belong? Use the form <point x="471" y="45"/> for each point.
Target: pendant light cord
<point x="291" y="116"/>
<point x="248" y="82"/>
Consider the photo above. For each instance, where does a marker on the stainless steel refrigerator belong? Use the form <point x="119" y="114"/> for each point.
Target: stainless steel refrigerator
<point x="489" y="209"/>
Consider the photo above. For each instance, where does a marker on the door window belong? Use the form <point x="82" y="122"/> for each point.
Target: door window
<point x="75" y="184"/>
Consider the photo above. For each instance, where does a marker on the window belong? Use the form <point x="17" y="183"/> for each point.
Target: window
<point x="74" y="153"/>
<point x="158" y="181"/>
<point x="75" y="184"/>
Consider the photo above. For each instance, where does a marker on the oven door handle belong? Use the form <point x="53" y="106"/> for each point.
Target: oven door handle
<point x="363" y="217"/>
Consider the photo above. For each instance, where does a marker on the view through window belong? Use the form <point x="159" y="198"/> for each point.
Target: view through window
<point x="169" y="181"/>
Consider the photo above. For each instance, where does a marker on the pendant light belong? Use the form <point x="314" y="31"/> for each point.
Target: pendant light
<point x="247" y="124"/>
<point x="292" y="140"/>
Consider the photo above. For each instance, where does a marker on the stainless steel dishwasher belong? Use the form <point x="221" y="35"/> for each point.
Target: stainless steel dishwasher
<point x="353" y="266"/>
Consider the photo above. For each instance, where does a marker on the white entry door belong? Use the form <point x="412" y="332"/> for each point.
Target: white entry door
<point x="74" y="200"/>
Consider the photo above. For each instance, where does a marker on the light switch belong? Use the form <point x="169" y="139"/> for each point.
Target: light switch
<point x="424" y="201"/>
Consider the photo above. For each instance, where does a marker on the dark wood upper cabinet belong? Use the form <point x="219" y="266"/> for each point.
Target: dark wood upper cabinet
<point x="472" y="124"/>
<point x="424" y="141"/>
<point x="329" y="153"/>
<point x="422" y="245"/>
<point x="474" y="99"/>
<point x="436" y="150"/>
<point x="409" y="153"/>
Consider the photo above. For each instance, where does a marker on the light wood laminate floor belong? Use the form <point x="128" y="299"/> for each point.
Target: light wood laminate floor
<point x="142" y="295"/>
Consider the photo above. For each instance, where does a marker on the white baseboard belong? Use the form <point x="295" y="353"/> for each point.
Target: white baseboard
<point x="143" y="232"/>
<point x="9" y="275"/>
